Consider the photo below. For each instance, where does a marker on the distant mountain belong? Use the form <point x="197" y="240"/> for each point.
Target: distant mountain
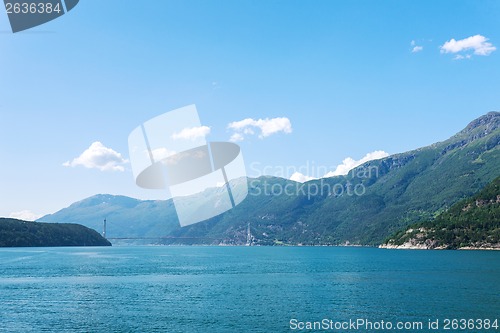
<point x="125" y="217"/>
<point x="470" y="223"/>
<point x="17" y="233"/>
<point x="364" y="207"/>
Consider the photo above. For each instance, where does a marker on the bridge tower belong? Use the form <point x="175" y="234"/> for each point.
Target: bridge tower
<point x="249" y="236"/>
<point x="104" y="228"/>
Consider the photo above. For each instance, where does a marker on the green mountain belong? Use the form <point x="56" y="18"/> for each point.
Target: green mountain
<point x="126" y="217"/>
<point x="17" y="233"/>
<point x="364" y="207"/>
<point x="470" y="223"/>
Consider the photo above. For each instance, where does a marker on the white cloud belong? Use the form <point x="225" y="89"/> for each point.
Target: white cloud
<point x="478" y="44"/>
<point x="97" y="156"/>
<point x="266" y="126"/>
<point x="25" y="215"/>
<point x="162" y="153"/>
<point x="417" y="49"/>
<point x="301" y="178"/>
<point x="342" y="169"/>
<point x="460" y="57"/>
<point x="349" y="163"/>
<point x="236" y="137"/>
<point x="192" y="133"/>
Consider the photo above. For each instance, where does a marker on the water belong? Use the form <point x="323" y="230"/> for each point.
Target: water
<point x="239" y="289"/>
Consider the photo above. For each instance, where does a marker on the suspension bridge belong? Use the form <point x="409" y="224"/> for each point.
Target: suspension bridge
<point x="249" y="240"/>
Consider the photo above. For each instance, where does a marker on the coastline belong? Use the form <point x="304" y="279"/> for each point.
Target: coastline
<point x="409" y="246"/>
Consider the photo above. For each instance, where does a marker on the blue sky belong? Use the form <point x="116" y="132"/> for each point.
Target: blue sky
<point x="343" y="73"/>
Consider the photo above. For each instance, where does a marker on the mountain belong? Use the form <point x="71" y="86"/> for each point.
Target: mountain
<point x="470" y="223"/>
<point x="17" y="233"/>
<point x="125" y="217"/>
<point x="364" y="207"/>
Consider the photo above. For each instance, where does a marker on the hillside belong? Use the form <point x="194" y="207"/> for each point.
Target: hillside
<point x="397" y="191"/>
<point x="470" y="223"/>
<point x="17" y="233"/>
<point x="126" y="217"/>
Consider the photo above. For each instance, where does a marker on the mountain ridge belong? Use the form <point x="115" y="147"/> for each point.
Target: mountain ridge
<point x="402" y="189"/>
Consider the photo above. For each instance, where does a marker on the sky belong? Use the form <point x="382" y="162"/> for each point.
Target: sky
<point x="306" y="88"/>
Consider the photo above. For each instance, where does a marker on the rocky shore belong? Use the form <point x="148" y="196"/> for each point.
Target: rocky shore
<point x="432" y="245"/>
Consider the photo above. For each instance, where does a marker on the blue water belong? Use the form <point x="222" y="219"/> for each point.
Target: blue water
<point x="238" y="289"/>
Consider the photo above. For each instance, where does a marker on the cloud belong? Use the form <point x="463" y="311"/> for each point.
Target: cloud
<point x="301" y="178"/>
<point x="478" y="44"/>
<point x="97" y="156"/>
<point x="162" y="153"/>
<point x="349" y="163"/>
<point x="343" y="169"/>
<point x="460" y="57"/>
<point x="192" y="133"/>
<point x="236" y="137"/>
<point x="417" y="49"/>
<point x="25" y="215"/>
<point x="266" y="126"/>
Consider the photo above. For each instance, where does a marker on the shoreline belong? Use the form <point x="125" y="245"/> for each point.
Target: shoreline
<point x="424" y="247"/>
